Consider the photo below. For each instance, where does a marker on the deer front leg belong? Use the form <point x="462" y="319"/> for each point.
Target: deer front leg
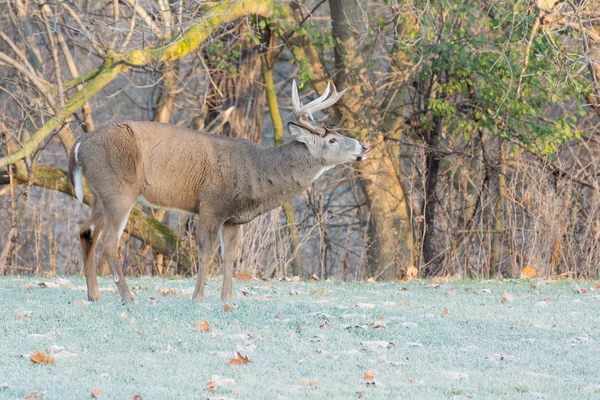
<point x="207" y="235"/>
<point x="229" y="247"/>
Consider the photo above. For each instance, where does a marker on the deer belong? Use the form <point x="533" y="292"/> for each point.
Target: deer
<point x="226" y="182"/>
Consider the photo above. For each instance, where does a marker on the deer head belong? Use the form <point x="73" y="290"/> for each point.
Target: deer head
<point x="321" y="141"/>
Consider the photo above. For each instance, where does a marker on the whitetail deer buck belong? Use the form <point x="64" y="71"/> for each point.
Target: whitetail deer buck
<point x="227" y="182"/>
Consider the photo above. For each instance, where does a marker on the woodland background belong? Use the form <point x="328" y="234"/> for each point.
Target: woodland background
<point x="483" y="117"/>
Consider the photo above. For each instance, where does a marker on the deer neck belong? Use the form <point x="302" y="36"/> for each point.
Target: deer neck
<point x="290" y="169"/>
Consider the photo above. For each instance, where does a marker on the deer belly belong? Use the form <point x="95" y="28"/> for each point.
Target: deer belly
<point x="148" y="200"/>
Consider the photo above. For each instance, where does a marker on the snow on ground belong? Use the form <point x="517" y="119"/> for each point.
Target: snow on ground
<point x="303" y="340"/>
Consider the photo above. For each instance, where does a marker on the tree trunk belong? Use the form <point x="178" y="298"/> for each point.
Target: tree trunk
<point x="391" y="248"/>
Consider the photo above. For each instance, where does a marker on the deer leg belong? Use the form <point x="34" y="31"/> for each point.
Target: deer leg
<point x="114" y="224"/>
<point x="229" y="246"/>
<point x="89" y="236"/>
<point x="207" y="235"/>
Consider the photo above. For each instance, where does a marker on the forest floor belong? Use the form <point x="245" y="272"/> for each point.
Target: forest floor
<point x="303" y="340"/>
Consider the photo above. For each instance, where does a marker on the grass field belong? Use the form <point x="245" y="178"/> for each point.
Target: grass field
<point x="304" y="340"/>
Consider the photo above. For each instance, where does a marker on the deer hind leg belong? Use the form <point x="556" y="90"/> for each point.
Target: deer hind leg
<point x="89" y="235"/>
<point x="229" y="245"/>
<point x="115" y="219"/>
<point x="207" y="238"/>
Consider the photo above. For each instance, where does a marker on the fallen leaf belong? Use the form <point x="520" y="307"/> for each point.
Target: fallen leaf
<point x="592" y="388"/>
<point x="65" y="354"/>
<point x="369" y="375"/>
<point x="125" y="317"/>
<point x="411" y="273"/>
<point x="454" y="375"/>
<point x="415" y="381"/>
<point x="580" y="290"/>
<point x="580" y="339"/>
<point x="168" y="292"/>
<point x="28" y="286"/>
<point x="325" y="325"/>
<point x="366" y="306"/>
<point x="507" y="297"/>
<point x="371" y="280"/>
<point x="239" y="360"/>
<point x="597" y="285"/>
<point x="294" y="292"/>
<point x="308" y="383"/>
<point x="55" y="348"/>
<point x="81" y="303"/>
<point x="42" y="358"/>
<point x="33" y="395"/>
<point x="528" y="272"/>
<point x="211" y="386"/>
<point x="96" y="392"/>
<point x="445" y="310"/>
<point x="137" y="397"/>
<point x="226" y="307"/>
<point x="202" y="326"/>
<point x="377" y="344"/>
<point x="381" y="323"/>
<point x="243" y="276"/>
<point x="43" y="335"/>
<point x="319" y="292"/>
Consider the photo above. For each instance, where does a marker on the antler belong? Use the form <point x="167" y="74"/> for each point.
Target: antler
<point x="303" y="112"/>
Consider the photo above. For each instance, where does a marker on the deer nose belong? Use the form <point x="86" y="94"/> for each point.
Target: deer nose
<point x="365" y="148"/>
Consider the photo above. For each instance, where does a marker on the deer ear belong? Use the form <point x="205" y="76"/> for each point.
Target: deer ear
<point x="299" y="134"/>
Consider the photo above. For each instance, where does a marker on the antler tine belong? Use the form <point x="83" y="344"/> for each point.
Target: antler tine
<point x="300" y="110"/>
<point x="330" y="101"/>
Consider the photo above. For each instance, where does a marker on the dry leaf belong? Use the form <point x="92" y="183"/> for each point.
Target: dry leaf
<point x="415" y="381"/>
<point x="240" y="360"/>
<point x="320" y="292"/>
<point x="325" y="325"/>
<point x="597" y="285"/>
<point x="294" y="292"/>
<point x="507" y="297"/>
<point x="243" y="276"/>
<point x="528" y="272"/>
<point x="411" y="273"/>
<point x="125" y="317"/>
<point x="211" y="386"/>
<point x="168" y="292"/>
<point x="371" y="280"/>
<point x="81" y="303"/>
<point x="42" y="358"/>
<point x="446" y="310"/>
<point x="96" y="392"/>
<point x="33" y="395"/>
<point x="369" y="375"/>
<point x="308" y="383"/>
<point x="28" y="286"/>
<point x="202" y="326"/>
<point x="226" y="307"/>
<point x="580" y="290"/>
<point x="137" y="397"/>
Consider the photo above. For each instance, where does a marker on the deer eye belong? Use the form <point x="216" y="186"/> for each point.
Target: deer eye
<point x="332" y="141"/>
